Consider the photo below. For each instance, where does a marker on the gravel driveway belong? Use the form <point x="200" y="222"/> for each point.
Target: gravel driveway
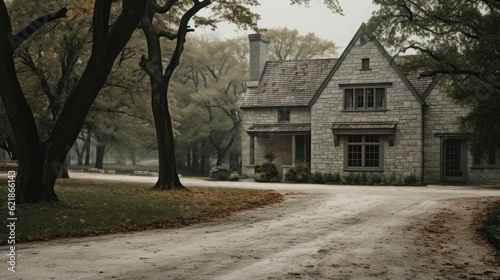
<point x="318" y="232"/>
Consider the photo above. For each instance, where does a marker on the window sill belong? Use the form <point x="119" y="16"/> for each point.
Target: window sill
<point x="365" y="69"/>
<point x="363" y="110"/>
<point x="485" y="167"/>
<point x="364" y="169"/>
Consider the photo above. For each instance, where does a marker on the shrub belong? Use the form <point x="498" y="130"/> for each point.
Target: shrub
<point x="363" y="179"/>
<point x="352" y="179"/>
<point x="328" y="178"/>
<point x="411" y="180"/>
<point x="220" y="173"/>
<point x="270" y="156"/>
<point x="267" y="173"/>
<point x="299" y="173"/>
<point x="234" y="177"/>
<point x="317" y="178"/>
<point x="375" y="179"/>
<point x="392" y="180"/>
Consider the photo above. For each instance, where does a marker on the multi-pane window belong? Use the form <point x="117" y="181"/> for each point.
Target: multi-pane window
<point x="364" y="99"/>
<point x="363" y="151"/>
<point x="488" y="160"/>
<point x="284" y="115"/>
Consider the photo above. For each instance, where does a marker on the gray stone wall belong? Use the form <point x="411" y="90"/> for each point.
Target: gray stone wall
<point x="281" y="145"/>
<point x="442" y="118"/>
<point x="402" y="159"/>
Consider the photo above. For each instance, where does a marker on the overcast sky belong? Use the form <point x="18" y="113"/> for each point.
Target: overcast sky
<point x="317" y="18"/>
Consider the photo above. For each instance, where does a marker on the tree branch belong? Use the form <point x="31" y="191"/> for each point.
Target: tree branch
<point x="167" y="34"/>
<point x="162" y="9"/>
<point x="183" y="30"/>
<point x="26" y="32"/>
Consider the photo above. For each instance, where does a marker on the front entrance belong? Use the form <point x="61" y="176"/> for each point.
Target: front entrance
<point x="303" y="148"/>
<point x="454" y="160"/>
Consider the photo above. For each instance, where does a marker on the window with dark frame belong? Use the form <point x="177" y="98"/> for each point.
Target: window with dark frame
<point x="492" y="158"/>
<point x="481" y="160"/>
<point x="364" y="98"/>
<point x="284" y="115"/>
<point x="363" y="152"/>
<point x="365" y="63"/>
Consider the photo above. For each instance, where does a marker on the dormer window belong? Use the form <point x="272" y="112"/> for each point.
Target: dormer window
<point x="365" y="64"/>
<point x="283" y="115"/>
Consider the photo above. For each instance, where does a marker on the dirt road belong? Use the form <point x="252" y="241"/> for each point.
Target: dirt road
<point x="318" y="232"/>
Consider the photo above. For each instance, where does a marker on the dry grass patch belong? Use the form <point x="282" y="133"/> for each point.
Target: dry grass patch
<point x="93" y="208"/>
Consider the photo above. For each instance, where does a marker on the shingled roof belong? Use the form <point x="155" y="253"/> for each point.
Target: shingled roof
<point x="421" y="84"/>
<point x="288" y="83"/>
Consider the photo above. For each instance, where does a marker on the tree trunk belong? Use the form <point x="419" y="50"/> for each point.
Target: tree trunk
<point x="194" y="165"/>
<point x="188" y="158"/>
<point x="221" y="152"/>
<point x="63" y="171"/>
<point x="12" y="149"/>
<point x="99" y="156"/>
<point x="79" y="157"/>
<point x="39" y="163"/>
<point x="87" y="146"/>
<point x="168" y="177"/>
<point x="203" y="159"/>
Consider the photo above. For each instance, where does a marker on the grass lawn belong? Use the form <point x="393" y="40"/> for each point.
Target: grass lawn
<point x="118" y="168"/>
<point x="93" y="208"/>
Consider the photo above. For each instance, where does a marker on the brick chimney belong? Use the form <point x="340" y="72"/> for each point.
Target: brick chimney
<point x="259" y="55"/>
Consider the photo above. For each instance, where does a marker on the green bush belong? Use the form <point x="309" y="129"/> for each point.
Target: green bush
<point x="220" y="173"/>
<point x="411" y="180"/>
<point x="317" y="178"/>
<point x="329" y="178"/>
<point x="375" y="179"/>
<point x="352" y="178"/>
<point x="363" y="179"/>
<point x="300" y="173"/>
<point x="270" y="156"/>
<point x="234" y="177"/>
<point x="267" y="173"/>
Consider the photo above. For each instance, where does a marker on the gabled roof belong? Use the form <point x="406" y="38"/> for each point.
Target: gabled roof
<point x="288" y="83"/>
<point x="423" y="85"/>
<point x="299" y="83"/>
<point x="384" y="52"/>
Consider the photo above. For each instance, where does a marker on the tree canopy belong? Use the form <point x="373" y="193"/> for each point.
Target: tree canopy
<point x="288" y="44"/>
<point x="459" y="40"/>
<point x="43" y="147"/>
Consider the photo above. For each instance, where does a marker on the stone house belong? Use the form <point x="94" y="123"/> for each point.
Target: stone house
<point x="359" y="113"/>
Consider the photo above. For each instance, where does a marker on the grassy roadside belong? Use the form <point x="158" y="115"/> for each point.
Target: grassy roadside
<point x="92" y="208"/>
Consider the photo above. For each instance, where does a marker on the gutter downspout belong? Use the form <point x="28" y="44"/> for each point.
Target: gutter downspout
<point x="422" y="178"/>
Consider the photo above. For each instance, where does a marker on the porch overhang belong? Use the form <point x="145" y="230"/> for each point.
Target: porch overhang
<point x="281" y="129"/>
<point x="377" y="128"/>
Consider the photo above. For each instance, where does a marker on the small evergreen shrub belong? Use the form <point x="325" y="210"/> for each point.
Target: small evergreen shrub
<point x="270" y="156"/>
<point x="392" y="180"/>
<point x="267" y="173"/>
<point x="300" y="173"/>
<point x="220" y="173"/>
<point x="317" y="178"/>
<point x="363" y="179"/>
<point x="234" y="177"/>
<point x="411" y="180"/>
<point x="260" y="177"/>
<point x="375" y="179"/>
<point x="328" y="178"/>
<point x="352" y="178"/>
